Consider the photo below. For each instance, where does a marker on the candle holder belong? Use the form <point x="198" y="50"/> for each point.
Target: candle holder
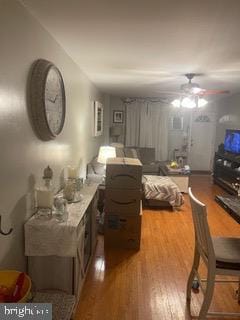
<point x="69" y="189"/>
<point x="79" y="184"/>
<point x="61" y="213"/>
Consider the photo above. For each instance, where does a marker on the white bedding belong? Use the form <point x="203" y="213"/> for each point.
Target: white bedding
<point x="162" y="188"/>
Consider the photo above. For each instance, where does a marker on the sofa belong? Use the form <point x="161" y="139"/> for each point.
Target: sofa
<point x="147" y="158"/>
<point x="95" y="170"/>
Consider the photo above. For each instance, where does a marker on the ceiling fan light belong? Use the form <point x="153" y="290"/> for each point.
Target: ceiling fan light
<point x="176" y="103"/>
<point x="190" y="88"/>
<point x="196" y="90"/>
<point x="202" y="102"/>
<point x="188" y="103"/>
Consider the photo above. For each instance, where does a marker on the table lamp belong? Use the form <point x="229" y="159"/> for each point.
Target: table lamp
<point x="116" y="131"/>
<point x="104" y="153"/>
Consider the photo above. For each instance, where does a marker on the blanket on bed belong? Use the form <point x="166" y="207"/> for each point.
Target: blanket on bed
<point x="162" y="188"/>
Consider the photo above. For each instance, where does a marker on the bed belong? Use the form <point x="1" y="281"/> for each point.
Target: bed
<point x="161" y="191"/>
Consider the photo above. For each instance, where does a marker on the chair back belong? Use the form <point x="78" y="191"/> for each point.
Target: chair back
<point x="202" y="233"/>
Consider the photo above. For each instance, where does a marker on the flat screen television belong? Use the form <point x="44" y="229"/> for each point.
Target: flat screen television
<point x="232" y="141"/>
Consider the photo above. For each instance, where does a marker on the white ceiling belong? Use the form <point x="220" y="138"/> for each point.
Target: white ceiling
<point x="143" y="47"/>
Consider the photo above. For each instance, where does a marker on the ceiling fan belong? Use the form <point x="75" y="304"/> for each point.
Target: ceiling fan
<point x="192" y="95"/>
<point x="194" y="88"/>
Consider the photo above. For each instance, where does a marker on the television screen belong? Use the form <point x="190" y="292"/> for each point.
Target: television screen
<point x="232" y="141"/>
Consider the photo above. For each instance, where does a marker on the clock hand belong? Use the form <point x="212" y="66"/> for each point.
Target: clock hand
<point x="56" y="97"/>
<point x="53" y="100"/>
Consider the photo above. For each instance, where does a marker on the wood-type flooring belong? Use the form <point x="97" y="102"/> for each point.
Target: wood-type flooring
<point x="151" y="284"/>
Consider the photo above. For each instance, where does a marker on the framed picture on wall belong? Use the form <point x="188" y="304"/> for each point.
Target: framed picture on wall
<point x="98" y="118"/>
<point x="177" y="123"/>
<point x="117" y="116"/>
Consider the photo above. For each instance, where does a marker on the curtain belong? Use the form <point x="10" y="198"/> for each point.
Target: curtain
<point x="132" y="124"/>
<point x="147" y="126"/>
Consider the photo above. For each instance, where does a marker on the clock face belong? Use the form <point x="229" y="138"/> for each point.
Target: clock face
<point x="54" y="101"/>
<point x="47" y="100"/>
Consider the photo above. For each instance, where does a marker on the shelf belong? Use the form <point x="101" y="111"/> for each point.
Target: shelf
<point x="225" y="184"/>
<point x="224" y="175"/>
<point x="229" y="157"/>
<point x="231" y="205"/>
<point x="233" y="171"/>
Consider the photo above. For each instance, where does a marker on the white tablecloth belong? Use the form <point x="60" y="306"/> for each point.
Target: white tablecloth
<point x="50" y="237"/>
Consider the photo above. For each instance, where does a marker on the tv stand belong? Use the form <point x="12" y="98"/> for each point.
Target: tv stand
<point x="231" y="204"/>
<point x="226" y="171"/>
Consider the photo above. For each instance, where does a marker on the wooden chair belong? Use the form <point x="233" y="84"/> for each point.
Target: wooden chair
<point x="221" y="256"/>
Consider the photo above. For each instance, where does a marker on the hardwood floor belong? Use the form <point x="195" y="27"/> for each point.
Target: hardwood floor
<point x="151" y="284"/>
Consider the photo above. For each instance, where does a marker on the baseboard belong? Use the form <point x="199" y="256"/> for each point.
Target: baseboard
<point x="201" y="172"/>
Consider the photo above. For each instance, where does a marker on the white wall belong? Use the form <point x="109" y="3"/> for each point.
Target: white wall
<point x="23" y="156"/>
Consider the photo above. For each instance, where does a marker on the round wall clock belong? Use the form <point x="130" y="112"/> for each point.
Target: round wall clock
<point x="47" y="99"/>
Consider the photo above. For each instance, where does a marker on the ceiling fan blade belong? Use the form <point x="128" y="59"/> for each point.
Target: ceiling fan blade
<point x="206" y="92"/>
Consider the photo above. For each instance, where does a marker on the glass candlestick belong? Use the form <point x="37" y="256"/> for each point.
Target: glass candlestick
<point x="79" y="184"/>
<point x="69" y="189"/>
<point x="61" y="213"/>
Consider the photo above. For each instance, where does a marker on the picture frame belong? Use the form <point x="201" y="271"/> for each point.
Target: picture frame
<point x="117" y="116"/>
<point x="177" y="123"/>
<point x="98" y="118"/>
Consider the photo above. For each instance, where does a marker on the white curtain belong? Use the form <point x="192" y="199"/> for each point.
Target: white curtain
<point x="147" y="126"/>
<point x="132" y="124"/>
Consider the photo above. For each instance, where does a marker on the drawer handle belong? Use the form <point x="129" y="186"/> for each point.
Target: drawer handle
<point x="122" y="175"/>
<point x="124" y="203"/>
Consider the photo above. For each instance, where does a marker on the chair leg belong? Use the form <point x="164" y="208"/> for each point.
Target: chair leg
<point x="239" y="290"/>
<point x="208" y="294"/>
<point x="195" y="265"/>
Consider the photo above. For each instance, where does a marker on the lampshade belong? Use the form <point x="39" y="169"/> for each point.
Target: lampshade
<point x="106" y="152"/>
<point x="189" y="102"/>
<point x="115" y="131"/>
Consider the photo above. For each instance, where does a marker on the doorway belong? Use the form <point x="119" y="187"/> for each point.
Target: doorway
<point x="202" y="130"/>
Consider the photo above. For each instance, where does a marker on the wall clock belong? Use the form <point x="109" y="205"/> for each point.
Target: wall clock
<point x="47" y="99"/>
